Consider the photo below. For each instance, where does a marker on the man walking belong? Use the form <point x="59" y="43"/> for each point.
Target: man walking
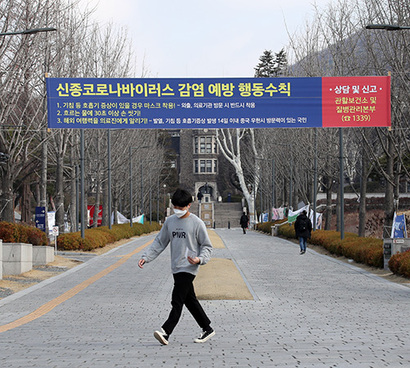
<point x="244" y="221"/>
<point x="303" y="229"/>
<point x="190" y="247"/>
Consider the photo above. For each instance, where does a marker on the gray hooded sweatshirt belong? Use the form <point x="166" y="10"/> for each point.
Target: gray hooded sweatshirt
<point x="187" y="236"/>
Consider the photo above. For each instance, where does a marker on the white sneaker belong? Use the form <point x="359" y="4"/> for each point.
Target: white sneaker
<point x="161" y="336"/>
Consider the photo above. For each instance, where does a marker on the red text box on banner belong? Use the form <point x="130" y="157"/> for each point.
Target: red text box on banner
<point x="356" y="102"/>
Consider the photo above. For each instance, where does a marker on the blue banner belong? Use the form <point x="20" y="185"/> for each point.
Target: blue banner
<point x="40" y="218"/>
<point x="399" y="226"/>
<point x="184" y="103"/>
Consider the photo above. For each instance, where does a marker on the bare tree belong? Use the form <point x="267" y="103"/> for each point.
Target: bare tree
<point x="336" y="43"/>
<point x="229" y="141"/>
<point x="21" y="103"/>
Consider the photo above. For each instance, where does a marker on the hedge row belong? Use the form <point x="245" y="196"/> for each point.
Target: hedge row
<point x="19" y="233"/>
<point x="368" y="251"/>
<point x="365" y="250"/>
<point x="101" y="236"/>
<point x="266" y="226"/>
<point x="399" y="264"/>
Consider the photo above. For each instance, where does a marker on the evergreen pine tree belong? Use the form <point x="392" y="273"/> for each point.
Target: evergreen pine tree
<point x="280" y="63"/>
<point x="271" y="66"/>
<point x="266" y="64"/>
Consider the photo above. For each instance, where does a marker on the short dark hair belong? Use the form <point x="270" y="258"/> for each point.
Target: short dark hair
<point x="181" y="198"/>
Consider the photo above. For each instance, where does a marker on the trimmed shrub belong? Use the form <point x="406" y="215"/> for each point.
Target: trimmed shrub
<point x="287" y="230"/>
<point x="364" y="250"/>
<point x="35" y="236"/>
<point x="9" y="232"/>
<point x="399" y="264"/>
<point x="70" y="241"/>
<point x="368" y="251"/>
<point x="101" y="236"/>
<point x="19" y="233"/>
<point x="266" y="226"/>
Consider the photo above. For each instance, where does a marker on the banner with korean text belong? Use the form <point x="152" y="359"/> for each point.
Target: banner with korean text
<point x="164" y="103"/>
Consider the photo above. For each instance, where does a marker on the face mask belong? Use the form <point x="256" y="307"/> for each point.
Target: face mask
<point x="180" y="213"/>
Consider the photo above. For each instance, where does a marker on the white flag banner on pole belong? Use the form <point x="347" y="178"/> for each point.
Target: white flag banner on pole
<point x="292" y="215"/>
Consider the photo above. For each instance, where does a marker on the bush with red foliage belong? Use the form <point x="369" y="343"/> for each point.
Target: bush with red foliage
<point x="19" y="233"/>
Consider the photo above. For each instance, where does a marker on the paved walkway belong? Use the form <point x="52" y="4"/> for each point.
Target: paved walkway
<point x="308" y="311"/>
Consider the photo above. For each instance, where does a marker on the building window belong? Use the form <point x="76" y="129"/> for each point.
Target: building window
<point x="208" y="148"/>
<point x="202" y="145"/>
<point x="205" y="144"/>
<point x="202" y="166"/>
<point x="205" y="166"/>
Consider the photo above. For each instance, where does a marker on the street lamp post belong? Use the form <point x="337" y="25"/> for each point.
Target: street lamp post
<point x="131" y="200"/>
<point x="165" y="202"/>
<point x="77" y="197"/>
<point x="315" y="183"/>
<point x="82" y="183"/>
<point x="273" y="185"/>
<point x="387" y="27"/>
<point x="150" y="199"/>
<point x="158" y="199"/>
<point x="342" y="199"/>
<point x="29" y="31"/>
<point x="142" y="191"/>
<point x="109" y="177"/>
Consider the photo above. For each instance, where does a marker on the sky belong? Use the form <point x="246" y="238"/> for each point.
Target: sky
<point x="204" y="38"/>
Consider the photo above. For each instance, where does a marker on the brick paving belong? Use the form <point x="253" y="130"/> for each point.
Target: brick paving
<point x="308" y="311"/>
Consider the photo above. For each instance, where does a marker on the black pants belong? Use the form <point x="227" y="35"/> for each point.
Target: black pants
<point x="184" y="294"/>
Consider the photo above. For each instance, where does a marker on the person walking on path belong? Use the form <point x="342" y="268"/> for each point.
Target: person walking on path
<point x="199" y="196"/>
<point x="190" y="248"/>
<point x="244" y="221"/>
<point x="303" y="229"/>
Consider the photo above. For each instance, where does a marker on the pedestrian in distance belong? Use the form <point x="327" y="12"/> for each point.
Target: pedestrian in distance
<point x="190" y="247"/>
<point x="199" y="196"/>
<point x="303" y="230"/>
<point x="244" y="221"/>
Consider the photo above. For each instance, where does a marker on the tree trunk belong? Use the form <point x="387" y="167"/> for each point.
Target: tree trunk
<point x="26" y="202"/>
<point x="389" y="195"/>
<point x="73" y="197"/>
<point x="60" y="194"/>
<point x="251" y="207"/>
<point x="105" y="214"/>
<point x="7" y="198"/>
<point x="97" y="203"/>
<point x="43" y="177"/>
<point x="285" y="193"/>
<point x="328" y="216"/>
<point x="338" y="210"/>
<point x="363" y="193"/>
<point x="115" y="210"/>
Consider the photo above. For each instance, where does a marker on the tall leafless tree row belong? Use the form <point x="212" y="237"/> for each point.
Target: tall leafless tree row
<point x="43" y="166"/>
<point x="336" y="43"/>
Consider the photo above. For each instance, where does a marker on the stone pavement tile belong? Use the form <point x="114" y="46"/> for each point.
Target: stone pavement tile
<point x="307" y="312"/>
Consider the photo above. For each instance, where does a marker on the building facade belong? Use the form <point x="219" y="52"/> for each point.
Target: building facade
<point x="199" y="162"/>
